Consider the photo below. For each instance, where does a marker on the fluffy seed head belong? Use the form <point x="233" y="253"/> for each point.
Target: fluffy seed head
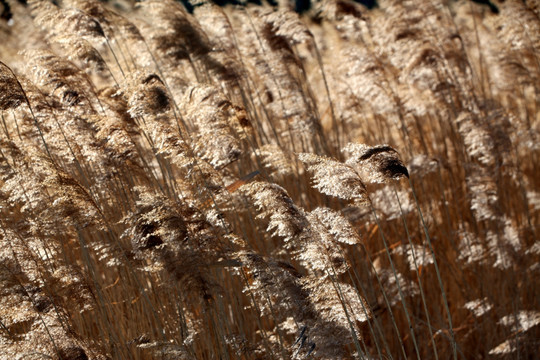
<point x="380" y="163"/>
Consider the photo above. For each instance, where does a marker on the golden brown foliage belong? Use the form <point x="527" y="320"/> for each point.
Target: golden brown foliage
<point x="248" y="182"/>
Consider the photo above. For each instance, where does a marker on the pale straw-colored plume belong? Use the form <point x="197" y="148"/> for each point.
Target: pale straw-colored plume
<point x="379" y="163"/>
<point x="285" y="218"/>
<point x="335" y="178"/>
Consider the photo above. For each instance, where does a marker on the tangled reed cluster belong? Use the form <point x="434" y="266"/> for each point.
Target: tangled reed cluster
<point x="190" y="181"/>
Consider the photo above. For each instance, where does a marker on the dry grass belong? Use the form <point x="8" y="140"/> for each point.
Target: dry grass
<point x="247" y="183"/>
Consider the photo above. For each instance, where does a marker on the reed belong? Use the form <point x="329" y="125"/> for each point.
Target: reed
<point x="194" y="181"/>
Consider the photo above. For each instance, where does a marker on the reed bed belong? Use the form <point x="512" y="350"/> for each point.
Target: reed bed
<point x="275" y="181"/>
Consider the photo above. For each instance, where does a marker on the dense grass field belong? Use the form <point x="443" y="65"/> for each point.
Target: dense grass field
<point x="193" y="181"/>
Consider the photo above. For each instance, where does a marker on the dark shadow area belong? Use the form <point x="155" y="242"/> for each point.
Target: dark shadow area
<point x="301" y="6"/>
<point x="494" y="9"/>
